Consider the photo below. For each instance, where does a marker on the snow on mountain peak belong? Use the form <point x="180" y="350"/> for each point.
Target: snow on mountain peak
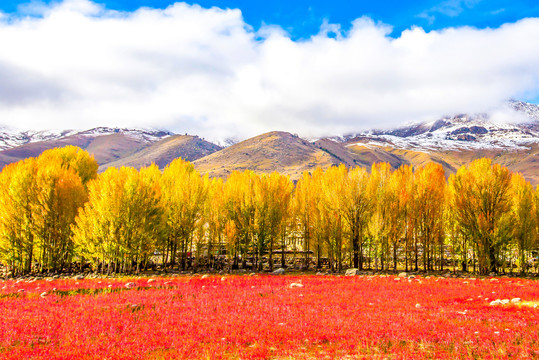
<point x="516" y="126"/>
<point x="10" y="138"/>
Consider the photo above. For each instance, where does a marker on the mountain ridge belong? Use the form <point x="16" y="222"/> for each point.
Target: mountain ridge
<point x="451" y="141"/>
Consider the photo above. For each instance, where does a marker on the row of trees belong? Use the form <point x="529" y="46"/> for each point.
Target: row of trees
<point x="55" y="211"/>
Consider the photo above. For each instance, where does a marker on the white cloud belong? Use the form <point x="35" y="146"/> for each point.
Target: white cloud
<point x="451" y="8"/>
<point x="206" y="72"/>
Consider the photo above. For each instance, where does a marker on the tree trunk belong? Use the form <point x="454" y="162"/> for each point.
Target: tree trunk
<point x="355" y="247"/>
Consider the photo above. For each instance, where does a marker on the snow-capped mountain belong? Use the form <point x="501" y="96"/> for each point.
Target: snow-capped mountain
<point x="11" y="138"/>
<point x="514" y="127"/>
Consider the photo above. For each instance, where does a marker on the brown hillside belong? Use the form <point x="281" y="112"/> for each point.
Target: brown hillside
<point x="162" y="152"/>
<point x="274" y="151"/>
<point x="105" y="148"/>
<point x="525" y="161"/>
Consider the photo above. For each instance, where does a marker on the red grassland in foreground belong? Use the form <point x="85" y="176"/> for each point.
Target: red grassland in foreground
<point x="263" y="317"/>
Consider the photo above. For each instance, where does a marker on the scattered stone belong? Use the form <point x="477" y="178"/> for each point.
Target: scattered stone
<point x="417" y="306"/>
<point x="20" y="290"/>
<point x="151" y="280"/>
<point x="397" y="279"/>
<point x="252" y="274"/>
<point x="515" y="300"/>
<point x="43" y="294"/>
<point x="130" y="285"/>
<point x="411" y="277"/>
<point x="294" y="285"/>
<point x="493" y="279"/>
<point x="279" y="271"/>
<point x="223" y="278"/>
<point x="496" y="302"/>
<point x="79" y="277"/>
<point x="351" y="272"/>
<point x="505" y="301"/>
<point x="205" y="276"/>
<point x="319" y="273"/>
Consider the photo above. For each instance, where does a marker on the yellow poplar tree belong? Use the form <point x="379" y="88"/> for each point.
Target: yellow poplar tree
<point x="18" y="196"/>
<point x="304" y="205"/>
<point x="60" y="194"/>
<point x="356" y="203"/>
<point x="75" y="158"/>
<point x="272" y="201"/>
<point x="523" y="217"/>
<point x="240" y="209"/>
<point x="122" y="222"/>
<point x="379" y="226"/>
<point x="428" y="211"/>
<point x="480" y="197"/>
<point x="184" y="195"/>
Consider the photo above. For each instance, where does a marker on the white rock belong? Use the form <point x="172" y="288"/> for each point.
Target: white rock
<point x="151" y="280"/>
<point x="351" y="272"/>
<point x="403" y="274"/>
<point x="79" y="277"/>
<point x="43" y="294"/>
<point x="515" y="300"/>
<point x="505" y="301"/>
<point x="130" y="285"/>
<point x="417" y="306"/>
<point x="223" y="278"/>
<point x="205" y="276"/>
<point x="294" y="285"/>
<point x="496" y="302"/>
<point x="279" y="271"/>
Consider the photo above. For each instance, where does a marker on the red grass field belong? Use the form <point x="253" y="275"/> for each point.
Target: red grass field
<point x="263" y="317"/>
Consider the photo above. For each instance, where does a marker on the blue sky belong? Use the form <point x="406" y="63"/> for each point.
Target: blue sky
<point x="302" y="18"/>
<point x="314" y="68"/>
